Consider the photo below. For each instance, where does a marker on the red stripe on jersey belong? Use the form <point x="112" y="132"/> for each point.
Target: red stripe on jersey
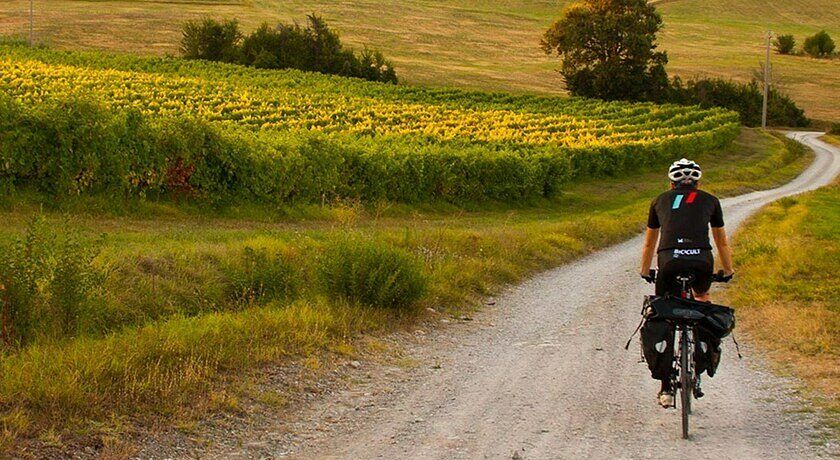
<point x="691" y="197"/>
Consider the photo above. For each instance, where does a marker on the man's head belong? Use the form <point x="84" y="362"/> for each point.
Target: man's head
<point x="684" y="173"/>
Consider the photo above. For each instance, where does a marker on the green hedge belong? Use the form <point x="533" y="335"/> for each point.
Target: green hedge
<point x="75" y="146"/>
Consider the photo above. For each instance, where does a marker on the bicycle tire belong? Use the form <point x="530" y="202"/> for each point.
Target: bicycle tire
<point x="685" y="381"/>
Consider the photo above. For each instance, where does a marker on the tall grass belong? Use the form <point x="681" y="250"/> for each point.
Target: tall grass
<point x="786" y="292"/>
<point x="47" y="284"/>
<point x="370" y="273"/>
<point x="152" y="369"/>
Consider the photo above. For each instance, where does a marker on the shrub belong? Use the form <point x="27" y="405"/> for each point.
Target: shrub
<point x="784" y="44"/>
<point x="373" y="66"/>
<point x="211" y="40"/>
<point x="819" y="45"/>
<point x="744" y="98"/>
<point x="371" y="273"/>
<point x="48" y="282"/>
<point x="834" y="128"/>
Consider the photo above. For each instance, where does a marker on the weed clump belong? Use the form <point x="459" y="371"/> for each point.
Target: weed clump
<point x="47" y="284"/>
<point x="261" y="276"/>
<point x="370" y="273"/>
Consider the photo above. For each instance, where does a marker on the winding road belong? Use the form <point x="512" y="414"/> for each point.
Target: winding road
<point x="544" y="375"/>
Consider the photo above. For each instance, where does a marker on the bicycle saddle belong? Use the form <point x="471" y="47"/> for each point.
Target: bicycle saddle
<point x="685" y="277"/>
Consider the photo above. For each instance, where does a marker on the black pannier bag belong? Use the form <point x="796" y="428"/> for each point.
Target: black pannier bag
<point x="717" y="320"/>
<point x="658" y="348"/>
<point x="713" y="322"/>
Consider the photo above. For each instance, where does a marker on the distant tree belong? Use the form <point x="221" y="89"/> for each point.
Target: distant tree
<point x="315" y="48"/>
<point x="374" y="66"/>
<point x="211" y="40"/>
<point x="608" y="48"/>
<point x="784" y="44"/>
<point x="267" y="48"/>
<point x="819" y="45"/>
<point x="326" y="53"/>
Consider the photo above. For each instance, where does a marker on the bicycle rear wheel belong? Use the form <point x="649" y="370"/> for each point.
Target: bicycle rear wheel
<point x="685" y="381"/>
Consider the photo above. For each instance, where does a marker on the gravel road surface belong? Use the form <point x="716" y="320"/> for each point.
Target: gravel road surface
<point x="544" y="374"/>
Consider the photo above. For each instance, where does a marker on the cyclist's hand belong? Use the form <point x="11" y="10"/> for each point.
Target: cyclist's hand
<point x="650" y="277"/>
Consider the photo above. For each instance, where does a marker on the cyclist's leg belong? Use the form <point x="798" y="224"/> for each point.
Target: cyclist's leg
<point x="669" y="268"/>
<point x="703" y="268"/>
<point x="707" y="353"/>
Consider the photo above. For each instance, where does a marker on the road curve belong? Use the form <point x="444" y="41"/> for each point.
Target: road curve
<point x="549" y="377"/>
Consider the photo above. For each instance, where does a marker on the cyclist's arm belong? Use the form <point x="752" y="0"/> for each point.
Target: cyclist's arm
<point x="648" y="250"/>
<point x="724" y="252"/>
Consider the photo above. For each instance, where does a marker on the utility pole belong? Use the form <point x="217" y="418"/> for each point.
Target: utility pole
<point x="766" y="81"/>
<point x="31" y="23"/>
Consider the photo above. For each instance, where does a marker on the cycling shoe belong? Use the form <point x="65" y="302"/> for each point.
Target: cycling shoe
<point x="666" y="399"/>
<point x="698" y="392"/>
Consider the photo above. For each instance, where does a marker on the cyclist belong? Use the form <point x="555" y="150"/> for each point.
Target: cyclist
<point x="680" y="219"/>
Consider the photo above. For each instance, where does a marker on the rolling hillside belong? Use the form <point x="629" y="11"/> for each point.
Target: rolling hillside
<point x="479" y="44"/>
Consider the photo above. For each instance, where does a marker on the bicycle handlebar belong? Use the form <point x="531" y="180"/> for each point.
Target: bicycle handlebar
<point x="718" y="277"/>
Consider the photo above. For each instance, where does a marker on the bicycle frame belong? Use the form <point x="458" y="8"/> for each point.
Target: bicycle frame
<point x="685" y="377"/>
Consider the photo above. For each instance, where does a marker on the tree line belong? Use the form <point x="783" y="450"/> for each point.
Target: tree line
<point x="314" y="47"/>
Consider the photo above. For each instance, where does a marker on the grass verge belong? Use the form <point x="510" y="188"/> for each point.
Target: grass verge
<point x="188" y="301"/>
<point x="786" y="292"/>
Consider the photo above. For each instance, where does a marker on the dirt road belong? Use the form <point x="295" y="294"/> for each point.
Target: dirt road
<point x="545" y="375"/>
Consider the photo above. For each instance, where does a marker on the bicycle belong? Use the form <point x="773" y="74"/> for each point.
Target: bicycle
<point x="685" y="321"/>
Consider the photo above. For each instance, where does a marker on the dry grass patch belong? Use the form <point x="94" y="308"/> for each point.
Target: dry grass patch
<point x="786" y="292"/>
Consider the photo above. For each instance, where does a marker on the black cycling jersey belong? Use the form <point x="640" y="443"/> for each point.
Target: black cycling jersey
<point x="685" y="214"/>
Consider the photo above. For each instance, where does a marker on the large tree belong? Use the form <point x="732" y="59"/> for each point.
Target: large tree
<point x="608" y="48"/>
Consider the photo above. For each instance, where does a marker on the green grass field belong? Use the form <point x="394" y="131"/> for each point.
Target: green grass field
<point x="786" y="291"/>
<point x="478" y="44"/>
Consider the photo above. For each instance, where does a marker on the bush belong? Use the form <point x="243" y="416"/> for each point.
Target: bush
<point x="784" y="44"/>
<point x="211" y="40"/>
<point x="744" y="98"/>
<point x="834" y="129"/>
<point x="48" y="282"/>
<point x="372" y="65"/>
<point x="371" y="273"/>
<point x="819" y="45"/>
